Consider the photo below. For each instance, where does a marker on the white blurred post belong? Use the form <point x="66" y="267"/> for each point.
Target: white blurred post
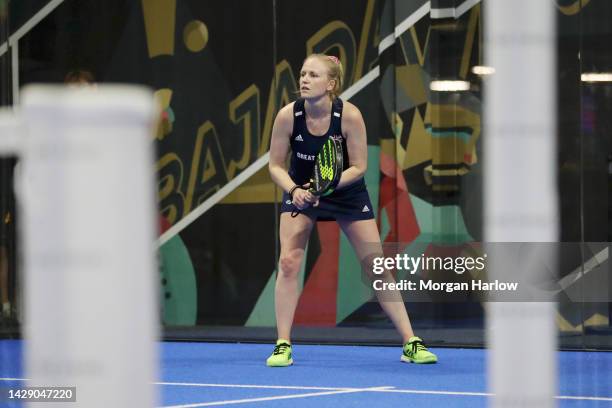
<point x="88" y="230"/>
<point x="520" y="191"/>
<point x="11" y="133"/>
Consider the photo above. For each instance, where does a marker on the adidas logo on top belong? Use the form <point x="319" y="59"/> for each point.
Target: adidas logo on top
<point x="299" y="138"/>
<point x="365" y="209"/>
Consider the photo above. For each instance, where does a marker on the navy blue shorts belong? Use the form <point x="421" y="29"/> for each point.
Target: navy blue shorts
<point x="348" y="204"/>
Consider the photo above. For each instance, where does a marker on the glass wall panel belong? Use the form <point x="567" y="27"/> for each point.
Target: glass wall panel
<point x="8" y="264"/>
<point x="584" y="150"/>
<point x="223" y="69"/>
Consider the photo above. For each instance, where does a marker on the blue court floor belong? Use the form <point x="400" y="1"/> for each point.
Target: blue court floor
<point x="218" y="374"/>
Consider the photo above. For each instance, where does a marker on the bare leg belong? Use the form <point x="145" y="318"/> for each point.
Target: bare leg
<point x="294" y="233"/>
<point x="365" y="239"/>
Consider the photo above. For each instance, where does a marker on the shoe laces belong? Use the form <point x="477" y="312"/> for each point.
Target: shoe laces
<point x="417" y="346"/>
<point x="281" y="348"/>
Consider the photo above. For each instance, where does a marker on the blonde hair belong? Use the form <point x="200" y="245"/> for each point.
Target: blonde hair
<point x="335" y="72"/>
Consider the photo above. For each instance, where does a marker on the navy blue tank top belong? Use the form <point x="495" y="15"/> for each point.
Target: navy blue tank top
<point x="305" y="147"/>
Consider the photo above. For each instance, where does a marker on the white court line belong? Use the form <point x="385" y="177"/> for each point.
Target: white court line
<point x="375" y="389"/>
<point x="433" y="392"/>
<point x="387" y="389"/>
<point x="30" y="24"/>
<point x="272" y="387"/>
<point x="343" y="389"/>
<point x="572" y="397"/>
<point x="276" y="398"/>
<point x="488" y="394"/>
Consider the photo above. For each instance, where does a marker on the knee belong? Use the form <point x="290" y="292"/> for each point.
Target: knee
<point x="289" y="265"/>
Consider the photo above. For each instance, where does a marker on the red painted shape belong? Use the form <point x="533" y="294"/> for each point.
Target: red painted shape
<point x="395" y="201"/>
<point x="407" y="226"/>
<point x="389" y="168"/>
<point x="164" y="224"/>
<point x="386" y="193"/>
<point x="317" y="305"/>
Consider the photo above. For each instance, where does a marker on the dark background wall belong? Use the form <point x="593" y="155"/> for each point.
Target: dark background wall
<point x="222" y="69"/>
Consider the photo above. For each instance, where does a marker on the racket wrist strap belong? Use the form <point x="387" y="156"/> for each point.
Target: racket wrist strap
<point x="293" y="190"/>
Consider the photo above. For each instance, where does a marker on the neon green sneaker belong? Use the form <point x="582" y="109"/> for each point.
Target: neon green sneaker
<point x="281" y="357"/>
<point x="416" y="352"/>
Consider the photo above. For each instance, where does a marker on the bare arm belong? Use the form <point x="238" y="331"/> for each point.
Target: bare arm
<point x="356" y="142"/>
<point x="279" y="148"/>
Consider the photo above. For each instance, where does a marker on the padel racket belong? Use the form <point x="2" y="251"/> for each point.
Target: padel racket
<point x="327" y="170"/>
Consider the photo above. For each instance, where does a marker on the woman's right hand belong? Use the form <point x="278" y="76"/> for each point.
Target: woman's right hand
<point x="302" y="198"/>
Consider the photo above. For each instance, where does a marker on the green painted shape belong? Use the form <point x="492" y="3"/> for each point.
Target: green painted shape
<point x="352" y="291"/>
<point x="180" y="307"/>
<point x="464" y="136"/>
<point x="385" y="226"/>
<point x="415" y="249"/>
<point x="171" y="116"/>
<point x="423" y="212"/>
<point x="263" y="314"/>
<point x="440" y="225"/>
